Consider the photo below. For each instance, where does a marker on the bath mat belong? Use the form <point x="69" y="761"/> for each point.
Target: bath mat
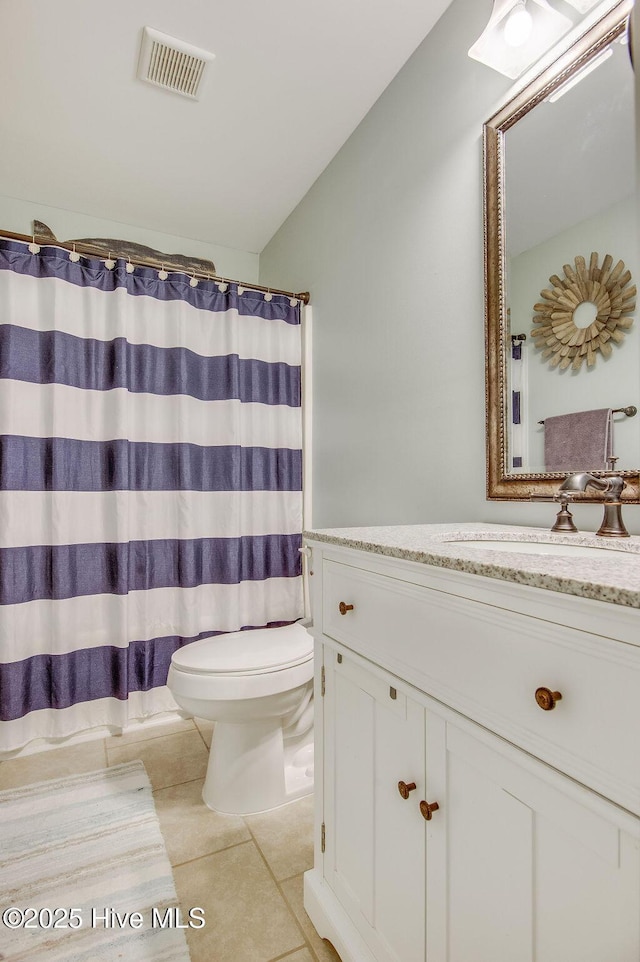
<point x="84" y="873"/>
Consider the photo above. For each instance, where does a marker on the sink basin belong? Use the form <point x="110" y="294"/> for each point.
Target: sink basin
<point x="534" y="547"/>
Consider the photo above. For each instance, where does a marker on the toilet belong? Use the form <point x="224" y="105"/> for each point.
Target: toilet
<point x="257" y="686"/>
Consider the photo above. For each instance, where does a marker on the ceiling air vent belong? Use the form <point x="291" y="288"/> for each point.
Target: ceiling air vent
<point x="172" y="64"/>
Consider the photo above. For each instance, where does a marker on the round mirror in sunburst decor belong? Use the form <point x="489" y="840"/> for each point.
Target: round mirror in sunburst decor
<point x="582" y="312"/>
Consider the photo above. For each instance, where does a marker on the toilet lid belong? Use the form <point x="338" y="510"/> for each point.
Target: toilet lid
<point x="246" y="652"/>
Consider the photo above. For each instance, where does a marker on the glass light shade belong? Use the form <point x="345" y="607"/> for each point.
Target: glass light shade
<point x="518" y="26"/>
<point x="495" y="46"/>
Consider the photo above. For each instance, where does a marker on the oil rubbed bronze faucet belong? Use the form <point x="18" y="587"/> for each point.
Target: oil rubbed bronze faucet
<point x="612" y="524"/>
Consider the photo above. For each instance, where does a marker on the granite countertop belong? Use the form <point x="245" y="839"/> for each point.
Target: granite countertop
<point x="611" y="575"/>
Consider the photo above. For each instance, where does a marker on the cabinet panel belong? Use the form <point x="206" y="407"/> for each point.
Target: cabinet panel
<point x="375" y="856"/>
<point x="533" y="872"/>
<point x="490" y="882"/>
<point x="400" y="833"/>
<point x="351" y="827"/>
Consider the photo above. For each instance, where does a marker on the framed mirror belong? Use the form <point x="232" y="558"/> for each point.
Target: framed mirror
<point x="561" y="267"/>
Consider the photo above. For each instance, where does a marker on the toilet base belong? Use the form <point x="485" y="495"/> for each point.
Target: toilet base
<point x="253" y="768"/>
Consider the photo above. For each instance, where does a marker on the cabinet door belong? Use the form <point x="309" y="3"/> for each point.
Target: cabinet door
<point x="375" y="856"/>
<point x="524" y="864"/>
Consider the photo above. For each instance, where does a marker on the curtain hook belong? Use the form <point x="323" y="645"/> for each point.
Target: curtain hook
<point x="222" y="285"/>
<point x="293" y="301"/>
<point x="109" y="262"/>
<point x="74" y="257"/>
<point x="162" y="274"/>
<point x="130" y="268"/>
<point x="194" y="280"/>
<point x="33" y="247"/>
<point x="241" y="290"/>
<point x="268" y="296"/>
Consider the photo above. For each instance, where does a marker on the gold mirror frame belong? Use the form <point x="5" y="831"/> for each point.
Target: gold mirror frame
<point x="502" y="486"/>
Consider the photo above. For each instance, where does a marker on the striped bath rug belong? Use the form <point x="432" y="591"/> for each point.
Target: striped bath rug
<point x="84" y="873"/>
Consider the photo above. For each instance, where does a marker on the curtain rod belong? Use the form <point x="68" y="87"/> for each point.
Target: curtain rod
<point x="304" y="297"/>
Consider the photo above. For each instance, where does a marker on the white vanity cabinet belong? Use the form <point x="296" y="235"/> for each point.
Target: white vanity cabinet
<point x="509" y="848"/>
<point x="374" y="859"/>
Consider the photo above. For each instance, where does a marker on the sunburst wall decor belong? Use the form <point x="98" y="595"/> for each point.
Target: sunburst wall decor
<point x="608" y="288"/>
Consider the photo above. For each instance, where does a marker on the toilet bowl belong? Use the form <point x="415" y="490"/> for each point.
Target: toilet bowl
<point x="257" y="686"/>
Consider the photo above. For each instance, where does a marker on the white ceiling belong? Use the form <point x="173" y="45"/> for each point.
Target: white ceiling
<point x="291" y="80"/>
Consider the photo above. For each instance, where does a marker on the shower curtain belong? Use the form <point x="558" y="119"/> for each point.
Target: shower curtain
<point x="150" y="481"/>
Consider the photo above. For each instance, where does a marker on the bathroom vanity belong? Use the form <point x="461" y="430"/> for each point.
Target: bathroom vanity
<point x="477" y="745"/>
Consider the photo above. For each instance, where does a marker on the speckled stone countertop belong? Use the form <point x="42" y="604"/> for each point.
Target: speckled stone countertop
<point x="612" y="574"/>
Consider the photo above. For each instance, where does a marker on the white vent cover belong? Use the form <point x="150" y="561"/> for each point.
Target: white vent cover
<point x="172" y="64"/>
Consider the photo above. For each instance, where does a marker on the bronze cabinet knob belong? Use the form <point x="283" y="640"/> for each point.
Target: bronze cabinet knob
<point x="547" y="699"/>
<point x="344" y="608"/>
<point x="427" y="809"/>
<point x="404" y="789"/>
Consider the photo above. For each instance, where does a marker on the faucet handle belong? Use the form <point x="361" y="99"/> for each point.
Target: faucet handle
<point x="564" y="518"/>
<point x="615" y="486"/>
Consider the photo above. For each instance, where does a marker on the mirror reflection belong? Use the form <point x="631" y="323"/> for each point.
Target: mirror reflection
<point x="569" y="226"/>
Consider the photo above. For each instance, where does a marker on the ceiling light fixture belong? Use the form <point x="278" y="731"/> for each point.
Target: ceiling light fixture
<point x="518" y="25"/>
<point x="582" y="6"/>
<point x="519" y="32"/>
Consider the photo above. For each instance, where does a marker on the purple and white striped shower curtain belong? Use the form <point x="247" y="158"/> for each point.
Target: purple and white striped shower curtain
<point x="150" y="481"/>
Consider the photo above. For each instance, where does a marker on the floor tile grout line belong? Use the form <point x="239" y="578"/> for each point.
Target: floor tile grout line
<point x="129" y="740"/>
<point x="308" y="944"/>
<point x="150" y="738"/>
<point x="163" y="787"/>
<point x="287" y="955"/>
<point x="218" y="851"/>
<point x="203" y="739"/>
<point x="154" y="738"/>
<point x="290" y="878"/>
<point x="177" y="785"/>
<point x="282" y="894"/>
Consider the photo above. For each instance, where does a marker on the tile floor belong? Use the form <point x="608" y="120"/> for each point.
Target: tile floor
<point x="245" y="872"/>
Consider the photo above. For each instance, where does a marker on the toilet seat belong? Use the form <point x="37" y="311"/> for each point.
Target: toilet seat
<point x="232" y="666"/>
<point x="250" y="652"/>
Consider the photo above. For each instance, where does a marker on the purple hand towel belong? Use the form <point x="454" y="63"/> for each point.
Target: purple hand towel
<point x="579" y="442"/>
